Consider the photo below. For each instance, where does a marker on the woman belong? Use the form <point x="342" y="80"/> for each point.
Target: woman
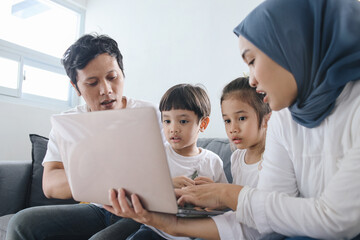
<point x="304" y="55"/>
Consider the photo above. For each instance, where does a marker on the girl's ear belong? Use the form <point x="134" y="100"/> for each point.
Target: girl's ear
<point x="76" y="89"/>
<point x="266" y="119"/>
<point x="204" y="123"/>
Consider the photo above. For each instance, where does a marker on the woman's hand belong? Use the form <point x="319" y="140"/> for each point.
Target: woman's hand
<point x="182" y="181"/>
<point x="211" y="196"/>
<point x="121" y="207"/>
<point x="203" y="180"/>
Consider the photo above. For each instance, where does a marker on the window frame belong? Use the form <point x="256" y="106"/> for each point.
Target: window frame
<point x="27" y="56"/>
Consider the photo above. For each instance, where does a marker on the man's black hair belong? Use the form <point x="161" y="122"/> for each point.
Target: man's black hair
<point x="85" y="49"/>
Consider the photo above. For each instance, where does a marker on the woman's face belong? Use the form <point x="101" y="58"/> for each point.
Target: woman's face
<point x="268" y="77"/>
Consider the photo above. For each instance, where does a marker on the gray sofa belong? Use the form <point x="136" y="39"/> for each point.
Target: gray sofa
<point x="21" y="181"/>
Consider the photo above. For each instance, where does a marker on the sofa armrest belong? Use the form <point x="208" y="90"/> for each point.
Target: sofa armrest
<point x="14" y="183"/>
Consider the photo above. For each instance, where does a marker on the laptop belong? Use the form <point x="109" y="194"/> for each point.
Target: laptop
<point x="118" y="149"/>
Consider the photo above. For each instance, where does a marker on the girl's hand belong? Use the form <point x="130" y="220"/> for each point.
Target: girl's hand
<point x="182" y="181"/>
<point x="120" y="207"/>
<point x="203" y="180"/>
<point x="212" y="195"/>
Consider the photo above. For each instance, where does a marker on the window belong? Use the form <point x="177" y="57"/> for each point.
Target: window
<point x="9" y="70"/>
<point x="34" y="34"/>
<point x="37" y="79"/>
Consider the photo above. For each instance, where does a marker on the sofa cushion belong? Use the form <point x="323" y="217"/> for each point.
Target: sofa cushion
<point x="221" y="147"/>
<point x="35" y="196"/>
<point x="4" y="220"/>
<point x="14" y="178"/>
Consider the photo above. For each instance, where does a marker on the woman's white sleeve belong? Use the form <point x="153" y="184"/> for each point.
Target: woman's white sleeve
<point x="229" y="228"/>
<point x="277" y="174"/>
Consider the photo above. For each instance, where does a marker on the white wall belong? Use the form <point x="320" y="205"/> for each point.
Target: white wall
<point x="164" y="42"/>
<point x="179" y="41"/>
<point x="17" y="121"/>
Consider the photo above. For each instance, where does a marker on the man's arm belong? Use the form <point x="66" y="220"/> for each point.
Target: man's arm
<point x="55" y="184"/>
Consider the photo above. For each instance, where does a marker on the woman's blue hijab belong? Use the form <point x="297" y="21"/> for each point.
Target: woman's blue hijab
<point x="318" y="41"/>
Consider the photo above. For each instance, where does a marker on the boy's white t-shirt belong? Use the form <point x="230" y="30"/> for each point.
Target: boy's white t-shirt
<point x="245" y="175"/>
<point x="53" y="154"/>
<point x="206" y="163"/>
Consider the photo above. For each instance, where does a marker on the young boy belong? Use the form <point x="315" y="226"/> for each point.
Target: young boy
<point x="185" y="111"/>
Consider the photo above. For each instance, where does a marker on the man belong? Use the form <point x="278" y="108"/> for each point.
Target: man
<point x="94" y="65"/>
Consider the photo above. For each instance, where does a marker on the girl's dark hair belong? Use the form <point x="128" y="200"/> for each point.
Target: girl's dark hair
<point x="85" y="49"/>
<point x="241" y="89"/>
<point x="187" y="97"/>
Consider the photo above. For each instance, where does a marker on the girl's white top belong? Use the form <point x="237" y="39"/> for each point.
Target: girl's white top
<point x="243" y="174"/>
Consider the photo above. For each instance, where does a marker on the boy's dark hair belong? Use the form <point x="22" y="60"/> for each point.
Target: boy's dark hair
<point x="85" y="49"/>
<point x="187" y="97"/>
<point x="241" y="89"/>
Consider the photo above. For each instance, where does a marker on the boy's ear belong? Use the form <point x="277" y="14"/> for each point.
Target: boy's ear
<point x="76" y="89"/>
<point x="204" y="123"/>
<point x="266" y="120"/>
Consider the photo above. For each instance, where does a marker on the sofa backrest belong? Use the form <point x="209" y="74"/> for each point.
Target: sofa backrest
<point x="35" y="194"/>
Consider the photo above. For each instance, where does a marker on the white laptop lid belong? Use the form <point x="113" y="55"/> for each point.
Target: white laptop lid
<point x="112" y="149"/>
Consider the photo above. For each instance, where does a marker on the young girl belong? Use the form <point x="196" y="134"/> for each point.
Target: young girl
<point x="245" y="116"/>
